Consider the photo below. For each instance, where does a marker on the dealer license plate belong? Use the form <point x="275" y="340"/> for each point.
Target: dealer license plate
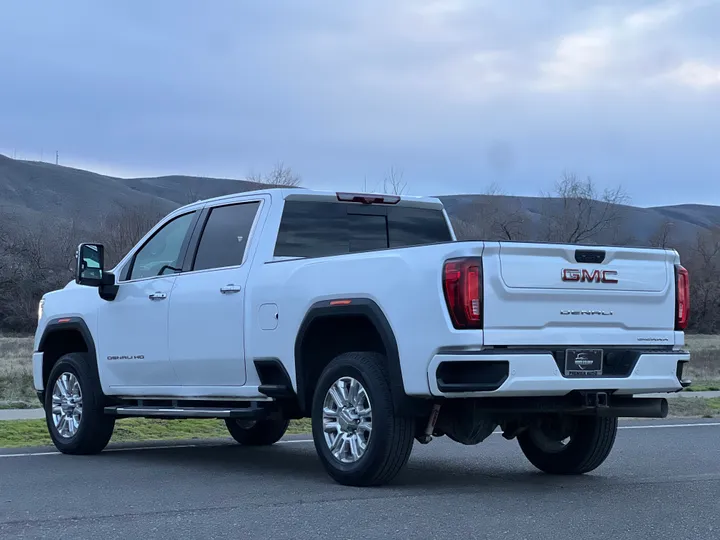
<point x="583" y="362"/>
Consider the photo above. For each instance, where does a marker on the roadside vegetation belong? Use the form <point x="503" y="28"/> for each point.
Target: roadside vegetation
<point x="26" y="433"/>
<point x="16" y="380"/>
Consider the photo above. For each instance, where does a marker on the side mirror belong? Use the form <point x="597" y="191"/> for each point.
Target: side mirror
<point x="90" y="267"/>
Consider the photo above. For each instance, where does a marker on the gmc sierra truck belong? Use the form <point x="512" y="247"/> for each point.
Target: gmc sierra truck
<point x="364" y="313"/>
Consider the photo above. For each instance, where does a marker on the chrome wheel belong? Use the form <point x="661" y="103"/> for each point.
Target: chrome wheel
<point x="67" y="405"/>
<point x="347" y="419"/>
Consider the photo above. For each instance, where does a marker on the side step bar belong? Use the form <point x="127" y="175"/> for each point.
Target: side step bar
<point x="251" y="413"/>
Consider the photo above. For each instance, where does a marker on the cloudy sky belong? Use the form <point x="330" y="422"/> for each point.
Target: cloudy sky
<point x="456" y="94"/>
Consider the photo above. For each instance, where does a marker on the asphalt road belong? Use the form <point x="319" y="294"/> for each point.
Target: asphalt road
<point x="660" y="482"/>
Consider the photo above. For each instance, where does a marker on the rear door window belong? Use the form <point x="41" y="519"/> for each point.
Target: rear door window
<point x="225" y="235"/>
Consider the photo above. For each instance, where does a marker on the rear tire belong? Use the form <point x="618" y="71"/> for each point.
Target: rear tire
<point x="257" y="432"/>
<point x="358" y="438"/>
<point x="74" y="407"/>
<point x="591" y="438"/>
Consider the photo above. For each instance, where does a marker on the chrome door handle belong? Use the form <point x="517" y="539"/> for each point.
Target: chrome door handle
<point x="157" y="296"/>
<point x="230" y="288"/>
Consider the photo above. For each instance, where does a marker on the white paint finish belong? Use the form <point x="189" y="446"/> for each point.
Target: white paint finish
<point x="245" y="392"/>
<point x="538" y="375"/>
<point x="533" y="316"/>
<point x="133" y="326"/>
<point x="405" y="283"/>
<point x="206" y="328"/>
<point x="37" y="367"/>
<point x="539" y="266"/>
<point x="72" y="301"/>
<point x="268" y="316"/>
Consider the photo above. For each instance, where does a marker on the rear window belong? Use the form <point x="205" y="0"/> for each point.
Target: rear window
<point x="321" y="229"/>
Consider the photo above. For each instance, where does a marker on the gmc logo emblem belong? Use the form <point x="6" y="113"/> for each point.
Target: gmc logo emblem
<point x="596" y="276"/>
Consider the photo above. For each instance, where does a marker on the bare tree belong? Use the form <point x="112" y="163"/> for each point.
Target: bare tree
<point x="6" y="262"/>
<point x="41" y="259"/>
<point x="495" y="216"/>
<point x="494" y="189"/>
<point x="581" y="214"/>
<point x="191" y="195"/>
<point x="703" y="262"/>
<point x="504" y="215"/>
<point x="393" y="182"/>
<point x="662" y="238"/>
<point x="466" y="230"/>
<point x="279" y="176"/>
<point x="124" y="227"/>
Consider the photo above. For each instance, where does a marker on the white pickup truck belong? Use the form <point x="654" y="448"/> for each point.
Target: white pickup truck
<point x="364" y="313"/>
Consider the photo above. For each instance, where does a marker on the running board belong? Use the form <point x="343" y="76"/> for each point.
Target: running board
<point x="252" y="413"/>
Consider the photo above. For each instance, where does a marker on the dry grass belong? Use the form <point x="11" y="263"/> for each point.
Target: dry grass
<point x="25" y="433"/>
<point x="16" y="385"/>
<point x="16" y="381"/>
<point x="704" y="357"/>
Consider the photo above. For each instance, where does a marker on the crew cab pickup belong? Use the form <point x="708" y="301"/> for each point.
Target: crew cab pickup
<point x="364" y="313"/>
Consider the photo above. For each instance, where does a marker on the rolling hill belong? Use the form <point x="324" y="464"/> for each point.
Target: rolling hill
<point x="31" y="192"/>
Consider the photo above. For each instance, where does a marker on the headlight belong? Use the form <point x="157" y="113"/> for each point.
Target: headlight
<point x="40" y="308"/>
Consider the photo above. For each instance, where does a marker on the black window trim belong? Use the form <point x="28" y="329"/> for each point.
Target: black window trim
<point x="127" y="271"/>
<point x="194" y="241"/>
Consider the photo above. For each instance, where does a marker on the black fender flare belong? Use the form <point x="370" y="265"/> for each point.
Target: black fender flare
<point x="354" y="306"/>
<point x="62" y="324"/>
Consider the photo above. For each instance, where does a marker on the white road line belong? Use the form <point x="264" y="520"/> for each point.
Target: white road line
<point x="33" y="454"/>
<point x="307" y="441"/>
<point x="295" y="441"/>
<point x="151" y="447"/>
<point x="665" y="426"/>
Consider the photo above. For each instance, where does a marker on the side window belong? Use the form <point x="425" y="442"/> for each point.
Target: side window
<point x="161" y="253"/>
<point x="312" y="229"/>
<point x="225" y="236"/>
<point x="417" y="226"/>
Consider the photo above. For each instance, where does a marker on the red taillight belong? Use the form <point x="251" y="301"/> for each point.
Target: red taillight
<point x="682" y="297"/>
<point x="462" y="284"/>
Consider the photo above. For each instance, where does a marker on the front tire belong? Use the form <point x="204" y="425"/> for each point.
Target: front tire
<point x="569" y="445"/>
<point x="257" y="432"/>
<point x="74" y="408"/>
<point x="358" y="438"/>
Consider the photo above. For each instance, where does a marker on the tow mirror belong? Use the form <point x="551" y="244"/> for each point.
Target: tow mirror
<point x="90" y="267"/>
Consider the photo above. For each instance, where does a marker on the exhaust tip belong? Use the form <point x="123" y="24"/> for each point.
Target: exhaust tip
<point x="663" y="407"/>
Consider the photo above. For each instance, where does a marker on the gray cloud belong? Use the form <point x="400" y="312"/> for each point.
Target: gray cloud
<point x="457" y="93"/>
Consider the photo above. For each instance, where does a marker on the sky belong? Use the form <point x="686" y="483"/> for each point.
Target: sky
<point x="455" y="95"/>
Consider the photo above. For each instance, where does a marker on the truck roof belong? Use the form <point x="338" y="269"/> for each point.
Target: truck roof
<point x="319" y="195"/>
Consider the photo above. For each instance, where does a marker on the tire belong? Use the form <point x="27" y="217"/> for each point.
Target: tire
<point x="387" y="445"/>
<point x="591" y="440"/>
<point x="90" y="431"/>
<point x="259" y="432"/>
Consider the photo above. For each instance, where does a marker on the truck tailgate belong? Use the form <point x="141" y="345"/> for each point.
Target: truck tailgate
<point x="547" y="294"/>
